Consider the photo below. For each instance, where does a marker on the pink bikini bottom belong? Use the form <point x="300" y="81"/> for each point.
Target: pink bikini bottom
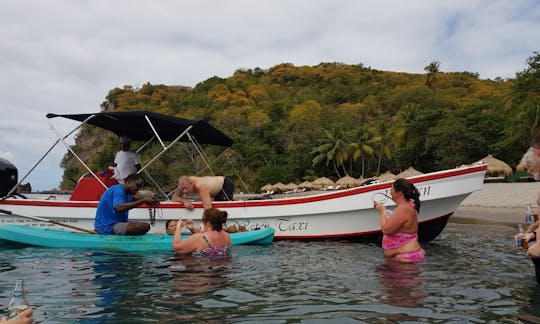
<point x="416" y="256"/>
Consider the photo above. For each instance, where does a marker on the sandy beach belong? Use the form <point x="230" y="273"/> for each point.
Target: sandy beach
<point x="498" y="203"/>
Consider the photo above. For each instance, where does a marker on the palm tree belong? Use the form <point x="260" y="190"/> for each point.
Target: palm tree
<point x="403" y="122"/>
<point x="432" y="69"/>
<point x="333" y="148"/>
<point x="382" y="142"/>
<point x="360" y="147"/>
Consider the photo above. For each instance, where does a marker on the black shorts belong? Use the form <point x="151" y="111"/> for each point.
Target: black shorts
<point x="227" y="191"/>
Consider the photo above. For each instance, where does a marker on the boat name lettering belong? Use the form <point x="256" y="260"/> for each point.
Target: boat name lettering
<point x="285" y="225"/>
<point x="422" y="190"/>
<point x="248" y="225"/>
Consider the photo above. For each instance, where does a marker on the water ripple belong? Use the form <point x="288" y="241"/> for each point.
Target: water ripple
<point x="470" y="275"/>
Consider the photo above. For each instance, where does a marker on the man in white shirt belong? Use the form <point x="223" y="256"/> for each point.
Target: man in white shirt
<point x="126" y="161"/>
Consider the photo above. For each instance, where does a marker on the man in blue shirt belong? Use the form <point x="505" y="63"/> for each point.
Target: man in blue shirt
<point x="113" y="207"/>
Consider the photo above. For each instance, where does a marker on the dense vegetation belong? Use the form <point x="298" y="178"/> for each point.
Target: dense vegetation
<point x="290" y="123"/>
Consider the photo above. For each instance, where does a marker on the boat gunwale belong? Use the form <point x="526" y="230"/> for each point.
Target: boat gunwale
<point x="267" y="202"/>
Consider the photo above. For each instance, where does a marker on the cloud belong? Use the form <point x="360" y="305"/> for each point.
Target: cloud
<point x="64" y="56"/>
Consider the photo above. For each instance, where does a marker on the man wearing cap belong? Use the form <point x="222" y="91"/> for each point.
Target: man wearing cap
<point x="126" y="161"/>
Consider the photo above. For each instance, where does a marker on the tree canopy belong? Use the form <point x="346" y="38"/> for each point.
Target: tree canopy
<point x="291" y="122"/>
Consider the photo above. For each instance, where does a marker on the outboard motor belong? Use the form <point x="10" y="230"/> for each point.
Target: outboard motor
<point x="8" y="177"/>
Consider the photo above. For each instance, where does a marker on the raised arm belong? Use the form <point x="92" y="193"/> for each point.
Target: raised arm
<point x="184" y="246"/>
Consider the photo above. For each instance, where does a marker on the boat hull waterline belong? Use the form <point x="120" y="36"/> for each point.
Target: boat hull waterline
<point x="345" y="213"/>
<point x="55" y="238"/>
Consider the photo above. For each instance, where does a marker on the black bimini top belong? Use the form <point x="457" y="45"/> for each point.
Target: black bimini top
<point x="134" y="125"/>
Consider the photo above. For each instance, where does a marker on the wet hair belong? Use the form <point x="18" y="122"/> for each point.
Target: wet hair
<point x="215" y="217"/>
<point x="168" y="222"/>
<point x="409" y="191"/>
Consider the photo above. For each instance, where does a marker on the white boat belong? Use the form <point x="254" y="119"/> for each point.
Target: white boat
<point x="338" y="214"/>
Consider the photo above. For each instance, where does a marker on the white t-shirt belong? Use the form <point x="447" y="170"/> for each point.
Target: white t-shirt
<point x="125" y="164"/>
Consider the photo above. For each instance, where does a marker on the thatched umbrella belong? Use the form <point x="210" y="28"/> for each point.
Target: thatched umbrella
<point x="347" y="182"/>
<point x="529" y="163"/>
<point x="322" y="182"/>
<point x="290" y="186"/>
<point x="522" y="166"/>
<point x="266" y="187"/>
<point x="387" y="176"/>
<point x="496" y="167"/>
<point x="410" y="172"/>
<point x="280" y="186"/>
<point x="306" y="184"/>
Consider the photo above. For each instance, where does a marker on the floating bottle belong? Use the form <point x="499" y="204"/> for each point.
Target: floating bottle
<point x="521" y="242"/>
<point x="18" y="302"/>
<point x="528" y="215"/>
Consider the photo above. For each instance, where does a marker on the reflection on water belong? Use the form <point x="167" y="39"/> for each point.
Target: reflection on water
<point x="471" y="274"/>
<point x="402" y="284"/>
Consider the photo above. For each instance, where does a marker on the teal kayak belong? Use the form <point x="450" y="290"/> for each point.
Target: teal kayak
<point x="56" y="238"/>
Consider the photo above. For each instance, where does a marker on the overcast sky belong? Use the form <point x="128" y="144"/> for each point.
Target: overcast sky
<point x="64" y="56"/>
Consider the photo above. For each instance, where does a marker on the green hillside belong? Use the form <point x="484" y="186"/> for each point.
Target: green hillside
<point x="300" y="122"/>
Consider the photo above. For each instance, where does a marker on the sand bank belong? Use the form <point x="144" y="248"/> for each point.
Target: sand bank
<point x="498" y="203"/>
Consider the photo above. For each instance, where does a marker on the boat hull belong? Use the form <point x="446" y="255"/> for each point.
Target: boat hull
<point x="55" y="238"/>
<point x="335" y="214"/>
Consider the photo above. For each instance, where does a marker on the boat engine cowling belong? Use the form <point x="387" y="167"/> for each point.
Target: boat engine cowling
<point x="8" y="177"/>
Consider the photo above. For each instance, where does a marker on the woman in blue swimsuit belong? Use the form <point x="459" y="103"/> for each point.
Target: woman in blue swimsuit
<point x="213" y="241"/>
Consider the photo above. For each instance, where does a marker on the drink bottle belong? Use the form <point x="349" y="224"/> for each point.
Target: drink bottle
<point x="521" y="242"/>
<point x="18" y="302"/>
<point x="528" y="215"/>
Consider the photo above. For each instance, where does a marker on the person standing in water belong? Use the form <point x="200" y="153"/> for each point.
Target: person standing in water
<point x="400" y="227"/>
<point x="215" y="241"/>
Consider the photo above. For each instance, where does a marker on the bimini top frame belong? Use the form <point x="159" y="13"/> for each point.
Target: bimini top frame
<point x="140" y="126"/>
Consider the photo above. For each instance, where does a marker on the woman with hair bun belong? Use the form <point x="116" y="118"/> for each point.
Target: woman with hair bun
<point x="400" y="226"/>
<point x="214" y="241"/>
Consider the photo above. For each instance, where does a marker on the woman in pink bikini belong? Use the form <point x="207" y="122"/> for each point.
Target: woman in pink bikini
<point x="400" y="226"/>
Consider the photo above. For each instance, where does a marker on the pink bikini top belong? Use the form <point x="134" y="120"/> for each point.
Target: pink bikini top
<point x="398" y="239"/>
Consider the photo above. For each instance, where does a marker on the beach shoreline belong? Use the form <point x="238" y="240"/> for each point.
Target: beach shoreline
<point x="498" y="203"/>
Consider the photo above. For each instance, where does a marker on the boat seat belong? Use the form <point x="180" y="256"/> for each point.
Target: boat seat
<point x="89" y="189"/>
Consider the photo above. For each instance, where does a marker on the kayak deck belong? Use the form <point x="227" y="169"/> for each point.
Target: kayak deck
<point x="56" y="238"/>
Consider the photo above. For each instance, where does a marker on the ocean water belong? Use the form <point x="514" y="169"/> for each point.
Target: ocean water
<point x="472" y="274"/>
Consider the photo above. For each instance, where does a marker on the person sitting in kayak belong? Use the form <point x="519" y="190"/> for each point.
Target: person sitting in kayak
<point x="400" y="227"/>
<point x="214" y="241"/>
<point x="113" y="207"/>
<point x="170" y="226"/>
<point x="219" y="188"/>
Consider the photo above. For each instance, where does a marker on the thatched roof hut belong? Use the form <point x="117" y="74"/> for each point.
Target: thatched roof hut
<point x="322" y="182"/>
<point x="496" y="167"/>
<point x="279" y="186"/>
<point x="387" y="176"/>
<point x="410" y="172"/>
<point x="306" y="184"/>
<point x="290" y="186"/>
<point x="347" y="182"/>
<point x="266" y="187"/>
